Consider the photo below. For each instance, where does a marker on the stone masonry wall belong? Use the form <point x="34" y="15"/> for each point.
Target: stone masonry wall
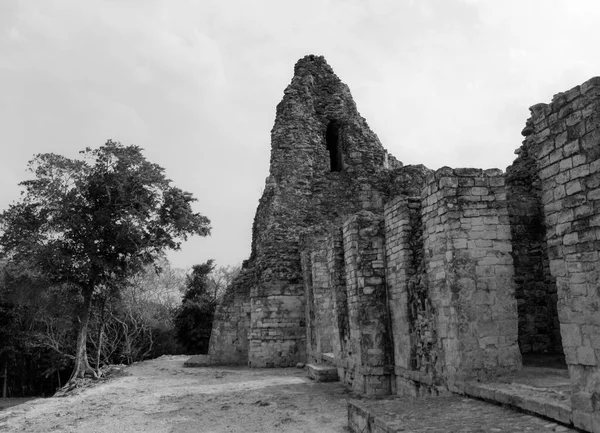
<point x="470" y="273"/>
<point x="412" y="315"/>
<point x="229" y="337"/>
<point x="564" y="138"/>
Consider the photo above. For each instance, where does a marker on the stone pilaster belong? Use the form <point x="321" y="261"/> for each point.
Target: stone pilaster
<point x="339" y="299"/>
<point x="412" y="315"/>
<point x="370" y="351"/>
<point x="470" y="271"/>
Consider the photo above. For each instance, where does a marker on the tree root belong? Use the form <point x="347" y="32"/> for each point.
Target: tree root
<point x="82" y="371"/>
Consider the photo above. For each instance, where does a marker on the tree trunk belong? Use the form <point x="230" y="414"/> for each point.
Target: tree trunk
<point x="100" y="335"/>
<point x="82" y="366"/>
<point x="5" y="383"/>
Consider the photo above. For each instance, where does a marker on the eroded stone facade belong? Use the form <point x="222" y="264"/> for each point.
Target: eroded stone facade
<point x="414" y="281"/>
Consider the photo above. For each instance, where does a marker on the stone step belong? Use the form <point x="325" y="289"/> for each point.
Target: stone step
<point x="197" y="361"/>
<point x="328" y="358"/>
<point x="322" y="372"/>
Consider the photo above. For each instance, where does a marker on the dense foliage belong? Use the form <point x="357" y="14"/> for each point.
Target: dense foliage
<point x="87" y="227"/>
<point x="194" y="318"/>
<point x="37" y="322"/>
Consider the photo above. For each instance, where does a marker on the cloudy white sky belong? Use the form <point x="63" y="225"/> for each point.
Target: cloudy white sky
<point x="195" y="83"/>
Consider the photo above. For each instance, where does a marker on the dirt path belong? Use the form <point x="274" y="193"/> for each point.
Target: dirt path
<point x="162" y="396"/>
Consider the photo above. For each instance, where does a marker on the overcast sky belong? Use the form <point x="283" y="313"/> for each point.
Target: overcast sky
<point x="195" y="83"/>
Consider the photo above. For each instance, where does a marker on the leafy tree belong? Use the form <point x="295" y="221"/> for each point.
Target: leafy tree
<point x="96" y="221"/>
<point x="193" y="320"/>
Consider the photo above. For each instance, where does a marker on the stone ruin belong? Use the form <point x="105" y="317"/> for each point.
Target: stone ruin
<point x="414" y="281"/>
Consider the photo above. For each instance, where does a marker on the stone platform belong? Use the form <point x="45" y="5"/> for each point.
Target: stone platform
<point x="543" y="392"/>
<point x="442" y="414"/>
<point x="322" y="372"/>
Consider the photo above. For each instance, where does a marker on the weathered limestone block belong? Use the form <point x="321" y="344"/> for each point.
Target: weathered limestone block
<point x="322" y="373"/>
<point x="470" y="272"/>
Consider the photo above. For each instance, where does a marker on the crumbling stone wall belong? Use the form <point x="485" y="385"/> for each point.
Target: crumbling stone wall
<point x="564" y="139"/>
<point x="325" y="164"/>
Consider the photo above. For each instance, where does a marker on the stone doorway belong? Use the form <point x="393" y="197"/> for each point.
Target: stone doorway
<point x="536" y="293"/>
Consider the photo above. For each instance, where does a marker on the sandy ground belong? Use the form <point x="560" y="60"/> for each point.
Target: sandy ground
<point x="162" y="396"/>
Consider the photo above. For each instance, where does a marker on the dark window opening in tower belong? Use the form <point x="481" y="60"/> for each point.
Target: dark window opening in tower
<point x="332" y="138"/>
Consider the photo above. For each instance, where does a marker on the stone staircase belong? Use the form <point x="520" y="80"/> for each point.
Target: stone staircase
<point x="324" y="371"/>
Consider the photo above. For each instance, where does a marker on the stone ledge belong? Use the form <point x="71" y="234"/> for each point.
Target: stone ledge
<point x="328" y="357"/>
<point x="530" y="399"/>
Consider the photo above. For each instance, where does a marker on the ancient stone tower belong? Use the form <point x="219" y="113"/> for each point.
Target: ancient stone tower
<point x="414" y="281"/>
<point x="324" y="161"/>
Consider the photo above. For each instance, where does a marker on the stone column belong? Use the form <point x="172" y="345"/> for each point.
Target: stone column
<point x="412" y="315"/>
<point x="399" y="259"/>
<point x="339" y="300"/>
<point x="470" y="271"/>
<point x="370" y="351"/>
